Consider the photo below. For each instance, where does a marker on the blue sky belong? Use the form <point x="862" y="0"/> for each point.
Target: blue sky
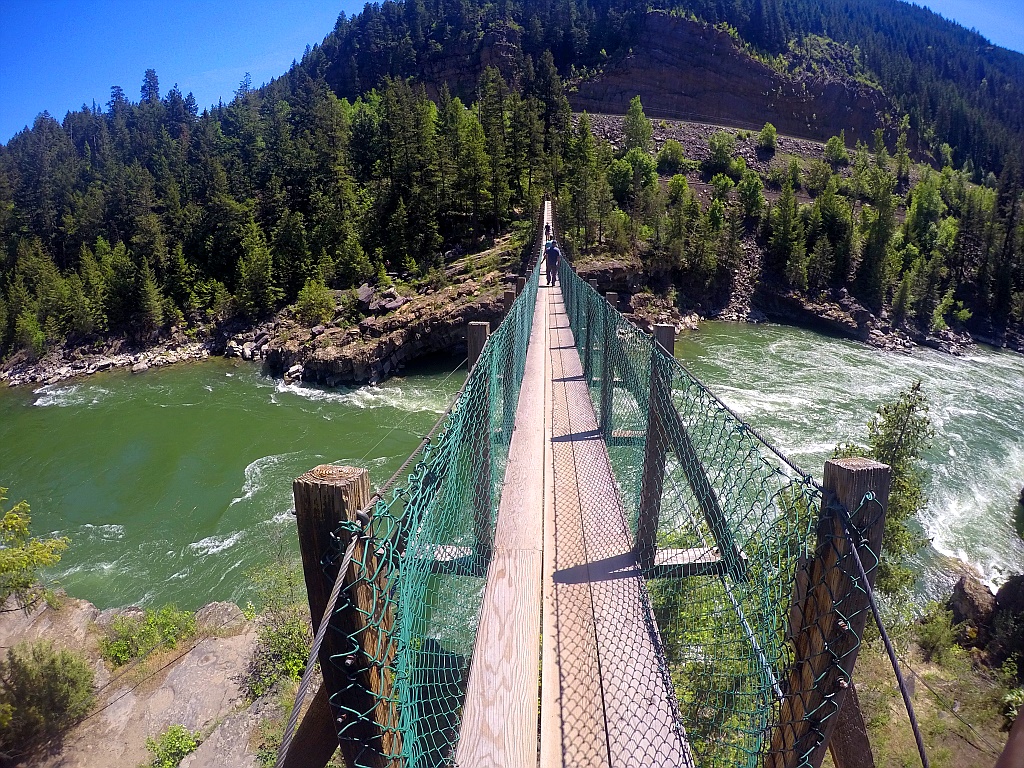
<point x="56" y="55"/>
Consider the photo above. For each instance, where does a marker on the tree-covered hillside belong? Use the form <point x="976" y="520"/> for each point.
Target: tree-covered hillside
<point x="139" y="216"/>
<point x="956" y="87"/>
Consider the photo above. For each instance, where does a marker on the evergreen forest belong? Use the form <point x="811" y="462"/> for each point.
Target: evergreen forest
<point x="136" y="216"/>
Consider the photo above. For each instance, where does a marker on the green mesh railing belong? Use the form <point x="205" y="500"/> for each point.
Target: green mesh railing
<point x="723" y="491"/>
<point x="729" y="627"/>
<point x="425" y="561"/>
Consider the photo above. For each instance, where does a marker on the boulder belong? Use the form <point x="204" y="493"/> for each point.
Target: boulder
<point x="972" y="602"/>
<point x="1010" y="597"/>
<point x="364" y="295"/>
<point x="140" y="367"/>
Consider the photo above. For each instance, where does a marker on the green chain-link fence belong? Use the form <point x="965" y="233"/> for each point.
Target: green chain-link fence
<point x="722" y="501"/>
<point x="426" y="562"/>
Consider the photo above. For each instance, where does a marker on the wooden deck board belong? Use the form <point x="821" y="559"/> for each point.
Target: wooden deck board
<point x="499" y="721"/>
<point x="640" y="724"/>
<point x="573" y="723"/>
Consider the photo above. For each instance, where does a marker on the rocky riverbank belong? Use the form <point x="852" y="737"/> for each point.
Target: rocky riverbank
<point x="67" y="363"/>
<point x="197" y="685"/>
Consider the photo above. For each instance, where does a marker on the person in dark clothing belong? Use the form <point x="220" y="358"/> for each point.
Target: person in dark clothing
<point x="552" y="255"/>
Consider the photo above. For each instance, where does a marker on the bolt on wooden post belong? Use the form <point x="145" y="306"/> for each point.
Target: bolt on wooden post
<point x="653" y="473"/>
<point x="825" y="644"/>
<point x="480" y="443"/>
<point x="325" y="496"/>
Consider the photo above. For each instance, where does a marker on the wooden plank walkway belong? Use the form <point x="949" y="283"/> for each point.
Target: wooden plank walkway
<point x="561" y="535"/>
<point x="499" y="721"/>
<point x="606" y="695"/>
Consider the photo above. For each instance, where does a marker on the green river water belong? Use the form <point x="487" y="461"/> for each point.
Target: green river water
<point x="173" y="484"/>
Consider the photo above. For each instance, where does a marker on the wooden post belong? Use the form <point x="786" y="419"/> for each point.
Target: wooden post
<point x="476" y="337"/>
<point x="608" y="367"/>
<point x="509" y="299"/>
<point x="653" y="474"/>
<point x="324" y="497"/>
<point x="479" y="446"/>
<point x="827" y="626"/>
<point x="850" y="746"/>
<point x="520" y="285"/>
<point x="588" y="353"/>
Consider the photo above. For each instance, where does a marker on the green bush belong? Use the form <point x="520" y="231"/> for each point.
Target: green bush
<point x="671" y="158"/>
<point x="43" y="692"/>
<point x="282" y="647"/>
<point x="283" y="639"/>
<point x="172" y="746"/>
<point x="767" y="139"/>
<point x="935" y="634"/>
<point x="835" y="150"/>
<point x="315" y="305"/>
<point x="722" y="145"/>
<point x="133" y="638"/>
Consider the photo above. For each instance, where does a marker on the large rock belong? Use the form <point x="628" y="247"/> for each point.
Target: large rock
<point x="974" y="603"/>
<point x="1010" y="597"/>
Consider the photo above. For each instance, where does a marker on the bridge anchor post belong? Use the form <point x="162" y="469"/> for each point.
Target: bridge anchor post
<point x="324" y="497"/>
<point x="830" y="610"/>
<point x="608" y="366"/>
<point x="655" y="446"/>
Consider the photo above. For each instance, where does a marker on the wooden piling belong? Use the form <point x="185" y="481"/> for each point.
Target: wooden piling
<point x="829" y="619"/>
<point x="325" y="496"/>
<point x="476" y="337"/>
<point x="608" y="366"/>
<point x="520" y="285"/>
<point x="509" y="299"/>
<point x="479" y="446"/>
<point x="653" y="473"/>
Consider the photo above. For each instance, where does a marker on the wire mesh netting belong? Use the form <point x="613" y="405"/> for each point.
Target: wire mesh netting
<point x="706" y="608"/>
<point x="424" y="563"/>
<point x="729" y="540"/>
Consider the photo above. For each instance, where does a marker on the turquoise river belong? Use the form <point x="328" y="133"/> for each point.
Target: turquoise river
<point x="174" y="484"/>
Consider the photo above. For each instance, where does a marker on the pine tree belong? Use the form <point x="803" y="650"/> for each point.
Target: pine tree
<point x="637" y="128"/>
<point x="256" y="292"/>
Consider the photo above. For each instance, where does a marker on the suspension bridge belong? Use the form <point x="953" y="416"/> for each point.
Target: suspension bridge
<point x="591" y="561"/>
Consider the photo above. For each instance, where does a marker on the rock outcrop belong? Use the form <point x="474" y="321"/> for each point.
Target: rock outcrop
<point x="197" y="685"/>
<point x="689" y="70"/>
<point x="973" y="604"/>
<point x="380" y="345"/>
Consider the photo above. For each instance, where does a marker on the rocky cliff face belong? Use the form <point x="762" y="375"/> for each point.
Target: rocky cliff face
<point x="398" y="329"/>
<point x="687" y="70"/>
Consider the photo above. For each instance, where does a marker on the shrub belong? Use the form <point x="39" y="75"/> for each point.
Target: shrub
<point x="722" y="145"/>
<point x="43" y="692"/>
<point x="722" y="186"/>
<point x="935" y="634"/>
<point x="835" y="150"/>
<point x="315" y="305"/>
<point x="767" y="139"/>
<point x="172" y="746"/>
<point x="282" y="647"/>
<point x="818" y="175"/>
<point x="135" y="638"/>
<point x="283" y="639"/>
<point x="671" y="158"/>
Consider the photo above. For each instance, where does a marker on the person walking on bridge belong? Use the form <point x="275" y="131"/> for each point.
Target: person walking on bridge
<point x="552" y="255"/>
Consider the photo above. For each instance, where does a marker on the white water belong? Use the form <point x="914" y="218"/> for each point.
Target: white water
<point x="808" y="392"/>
